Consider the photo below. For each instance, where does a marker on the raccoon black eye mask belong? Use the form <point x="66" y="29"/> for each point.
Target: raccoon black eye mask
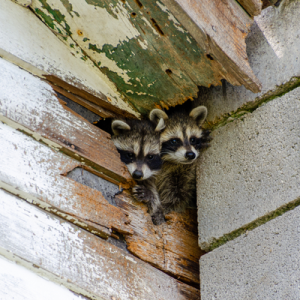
<point x="138" y="143"/>
<point x="181" y="140"/>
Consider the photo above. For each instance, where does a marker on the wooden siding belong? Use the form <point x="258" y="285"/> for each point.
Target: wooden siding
<point x="56" y="142"/>
<point x="147" y="53"/>
<point x="79" y="260"/>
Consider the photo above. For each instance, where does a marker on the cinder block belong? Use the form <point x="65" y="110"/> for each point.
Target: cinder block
<point x="273" y="48"/>
<point x="262" y="265"/>
<point x="251" y="169"/>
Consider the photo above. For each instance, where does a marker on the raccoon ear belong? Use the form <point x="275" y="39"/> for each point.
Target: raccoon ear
<point x="118" y="127"/>
<point x="199" y="114"/>
<point x="158" y="117"/>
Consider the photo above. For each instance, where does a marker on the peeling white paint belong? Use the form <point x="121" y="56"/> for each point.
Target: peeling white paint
<point x="171" y="17"/>
<point x="33" y="46"/>
<point x="150" y="25"/>
<point x="143" y="44"/>
<point x="17" y="282"/>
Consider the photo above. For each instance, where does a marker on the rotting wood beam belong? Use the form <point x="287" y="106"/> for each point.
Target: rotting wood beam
<point x="171" y="247"/>
<point x="220" y="28"/>
<point x="78" y="259"/>
<point x="39" y="111"/>
<point x="102" y="101"/>
<point x="100" y="111"/>
<point x="34" y="172"/>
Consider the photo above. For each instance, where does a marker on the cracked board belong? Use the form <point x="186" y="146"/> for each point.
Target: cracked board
<point x="171" y="247"/>
<point x="35" y="173"/>
<point x="79" y="260"/>
<point x="143" y="49"/>
<point x="35" y="109"/>
<point x="30" y="45"/>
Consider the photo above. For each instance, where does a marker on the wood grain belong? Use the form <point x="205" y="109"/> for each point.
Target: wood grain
<point x="29" y="44"/>
<point x="171" y="247"/>
<point x="38" y="109"/>
<point x="17" y="282"/>
<point x="252" y="7"/>
<point x="78" y="259"/>
<point x="220" y="28"/>
<point x="34" y="172"/>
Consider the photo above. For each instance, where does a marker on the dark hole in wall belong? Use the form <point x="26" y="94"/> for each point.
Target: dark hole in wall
<point x="209" y="57"/>
<point x="79" y="109"/>
<point x="108" y="190"/>
<point x="104" y="124"/>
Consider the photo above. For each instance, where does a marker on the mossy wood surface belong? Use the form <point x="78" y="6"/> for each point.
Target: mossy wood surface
<point x="141" y="47"/>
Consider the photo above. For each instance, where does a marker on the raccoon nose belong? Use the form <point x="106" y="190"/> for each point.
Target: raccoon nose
<point x="190" y="155"/>
<point x="137" y="174"/>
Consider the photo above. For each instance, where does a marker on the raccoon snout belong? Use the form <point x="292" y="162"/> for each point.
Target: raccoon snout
<point x="190" y="155"/>
<point x="137" y="174"/>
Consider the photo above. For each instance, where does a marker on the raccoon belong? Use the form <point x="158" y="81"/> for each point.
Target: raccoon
<point x="138" y="143"/>
<point x="181" y="142"/>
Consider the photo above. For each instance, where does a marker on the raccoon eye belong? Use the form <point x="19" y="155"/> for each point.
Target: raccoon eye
<point x="150" y="157"/>
<point x="174" y="141"/>
<point x="130" y="155"/>
<point x="193" y="141"/>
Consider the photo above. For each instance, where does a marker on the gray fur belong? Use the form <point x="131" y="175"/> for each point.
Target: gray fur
<point x="141" y="139"/>
<point x="176" y="181"/>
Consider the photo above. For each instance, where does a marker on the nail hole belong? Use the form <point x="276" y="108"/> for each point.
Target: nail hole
<point x="155" y="25"/>
<point x="209" y="57"/>
<point x="140" y="5"/>
<point x="169" y="72"/>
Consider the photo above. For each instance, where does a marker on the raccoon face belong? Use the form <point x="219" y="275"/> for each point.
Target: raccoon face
<point x="138" y="143"/>
<point x="183" y="137"/>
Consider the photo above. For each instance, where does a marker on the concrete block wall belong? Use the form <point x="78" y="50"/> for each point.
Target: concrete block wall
<point x="248" y="181"/>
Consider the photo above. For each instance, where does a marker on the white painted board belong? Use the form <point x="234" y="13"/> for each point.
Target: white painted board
<point x="19" y="283"/>
<point x="31" y="102"/>
<point x="77" y="259"/>
<point x="26" y="41"/>
<point x="33" y="171"/>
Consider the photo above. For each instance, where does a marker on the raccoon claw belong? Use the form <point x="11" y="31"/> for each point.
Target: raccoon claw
<point x="158" y="218"/>
<point x="140" y="193"/>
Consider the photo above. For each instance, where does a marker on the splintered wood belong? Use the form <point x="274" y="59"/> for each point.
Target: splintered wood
<point x="78" y="259"/>
<point x="33" y="166"/>
<point x="171" y="247"/>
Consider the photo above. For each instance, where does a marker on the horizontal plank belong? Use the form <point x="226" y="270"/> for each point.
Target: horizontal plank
<point x="220" y="28"/>
<point x="17" y="282"/>
<point x="29" y="44"/>
<point x="30" y="102"/>
<point x="83" y="262"/>
<point x="171" y="247"/>
<point x="34" y="171"/>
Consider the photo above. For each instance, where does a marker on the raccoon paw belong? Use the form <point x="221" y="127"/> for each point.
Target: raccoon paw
<point x="141" y="193"/>
<point x="158" y="217"/>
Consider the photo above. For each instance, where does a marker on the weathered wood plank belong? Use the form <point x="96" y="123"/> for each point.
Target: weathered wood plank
<point x="30" y="102"/>
<point x="84" y="263"/>
<point x="29" y="44"/>
<point x="220" y="28"/>
<point x="34" y="171"/>
<point x="17" y="282"/>
<point x="253" y="7"/>
<point x="146" y="52"/>
<point x="171" y="247"/>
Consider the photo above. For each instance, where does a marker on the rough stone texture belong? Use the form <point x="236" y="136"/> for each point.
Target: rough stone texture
<point x="251" y="168"/>
<point x="264" y="264"/>
<point x="273" y="48"/>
